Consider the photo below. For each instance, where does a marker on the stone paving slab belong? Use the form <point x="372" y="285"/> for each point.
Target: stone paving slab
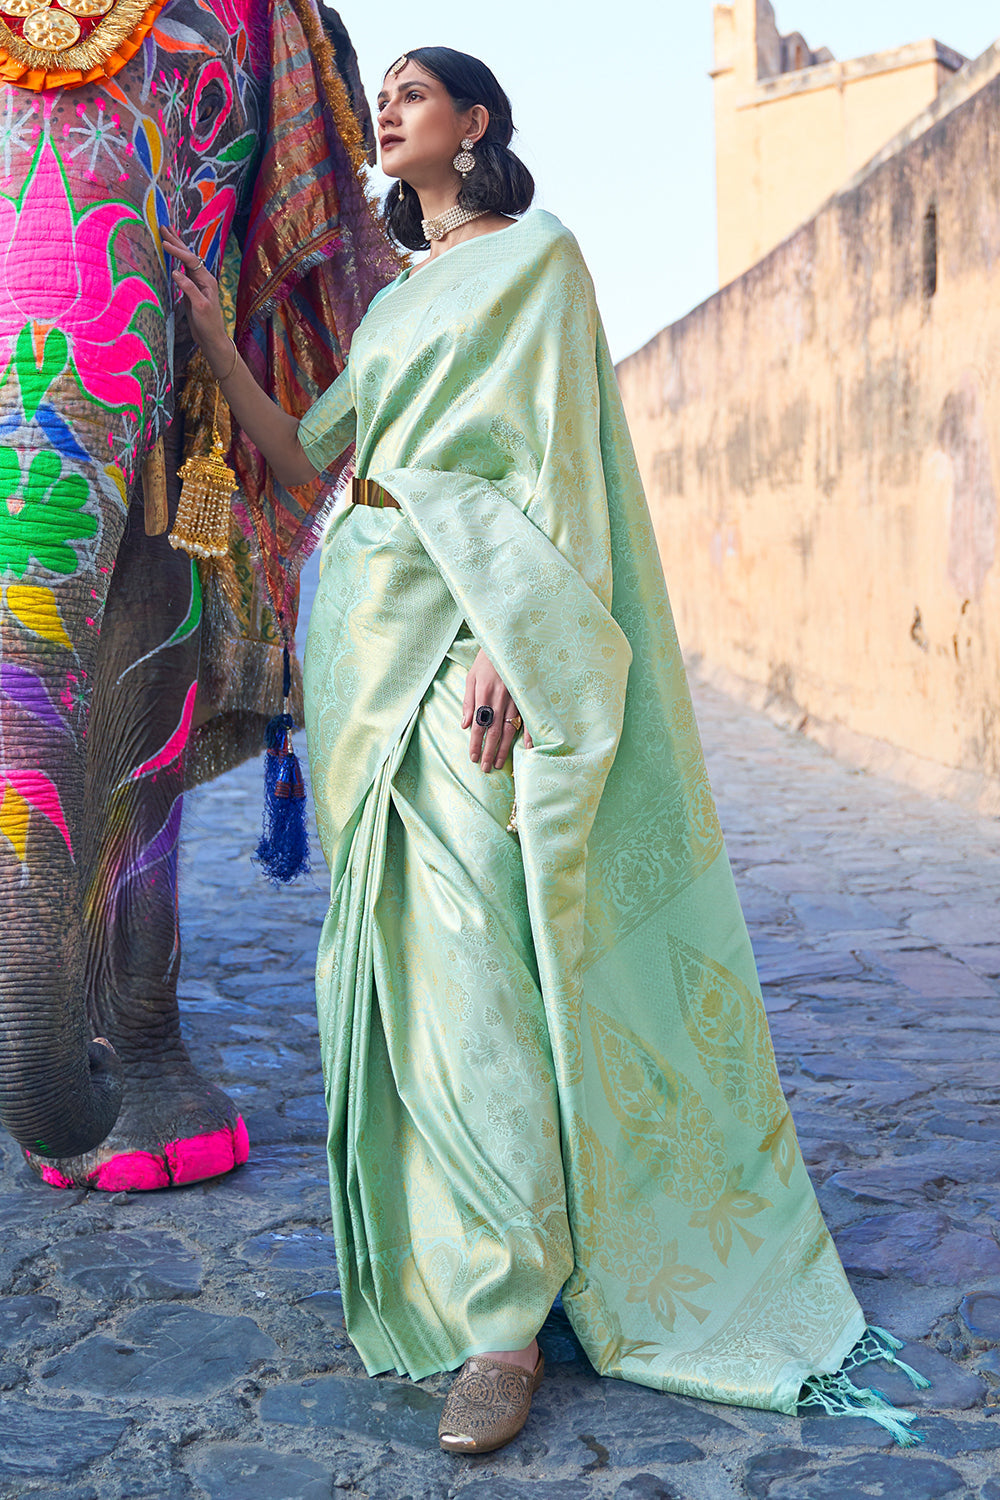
<point x="189" y="1345"/>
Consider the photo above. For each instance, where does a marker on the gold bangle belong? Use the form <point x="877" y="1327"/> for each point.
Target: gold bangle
<point x="232" y="367"/>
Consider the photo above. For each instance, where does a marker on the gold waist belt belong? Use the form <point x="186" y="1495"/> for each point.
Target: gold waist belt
<point x="367" y="492"/>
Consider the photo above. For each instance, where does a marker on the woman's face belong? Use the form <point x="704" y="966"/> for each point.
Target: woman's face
<point x="418" y="129"/>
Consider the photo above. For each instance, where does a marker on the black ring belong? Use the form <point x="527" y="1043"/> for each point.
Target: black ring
<point x="484" y="716"/>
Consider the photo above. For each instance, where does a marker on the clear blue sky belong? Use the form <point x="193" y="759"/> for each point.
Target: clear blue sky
<point x="613" y="105"/>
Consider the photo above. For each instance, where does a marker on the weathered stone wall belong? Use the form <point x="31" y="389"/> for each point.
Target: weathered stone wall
<point x="792" y="125"/>
<point x="820" y="442"/>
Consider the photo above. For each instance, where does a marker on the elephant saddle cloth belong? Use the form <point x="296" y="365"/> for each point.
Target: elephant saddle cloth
<point x="48" y="44"/>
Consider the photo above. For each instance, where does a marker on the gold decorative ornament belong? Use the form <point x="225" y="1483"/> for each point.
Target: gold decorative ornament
<point x="464" y="161"/>
<point x="236" y="355"/>
<point x="18" y="9"/>
<point x="399" y="65"/>
<point x="51" y="30"/>
<point x="512" y="820"/>
<point x="203" y="511"/>
<point x="368" y="492"/>
<point x="66" y="45"/>
<point x="87" y="7"/>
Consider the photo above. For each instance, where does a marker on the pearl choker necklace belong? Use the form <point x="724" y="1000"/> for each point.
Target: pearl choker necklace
<point x="436" y="229"/>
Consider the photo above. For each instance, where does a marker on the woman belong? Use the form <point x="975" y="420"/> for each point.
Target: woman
<point x="547" y="1062"/>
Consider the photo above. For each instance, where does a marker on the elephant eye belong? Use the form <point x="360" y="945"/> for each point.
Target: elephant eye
<point x="211" y="102"/>
<point x="211" y="106"/>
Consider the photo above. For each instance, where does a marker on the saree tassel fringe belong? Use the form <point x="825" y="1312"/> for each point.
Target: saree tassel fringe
<point x="283" y="851"/>
<point x="838" y="1396"/>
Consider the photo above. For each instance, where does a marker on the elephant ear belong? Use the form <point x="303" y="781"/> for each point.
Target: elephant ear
<point x="313" y="258"/>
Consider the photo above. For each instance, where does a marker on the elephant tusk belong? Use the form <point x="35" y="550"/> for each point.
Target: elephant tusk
<point x="154" y="490"/>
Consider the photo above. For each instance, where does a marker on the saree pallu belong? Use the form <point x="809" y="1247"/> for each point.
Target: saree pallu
<point x="546" y="1061"/>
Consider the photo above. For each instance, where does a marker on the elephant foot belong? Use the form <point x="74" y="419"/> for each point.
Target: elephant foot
<point x="178" y="1131"/>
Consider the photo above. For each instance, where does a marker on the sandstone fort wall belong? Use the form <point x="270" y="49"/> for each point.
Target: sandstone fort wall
<point x="793" y="124"/>
<point x="820" y="444"/>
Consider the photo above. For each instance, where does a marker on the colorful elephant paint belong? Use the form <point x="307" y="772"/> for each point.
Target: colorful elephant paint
<point x="86" y="307"/>
<point x="105" y="712"/>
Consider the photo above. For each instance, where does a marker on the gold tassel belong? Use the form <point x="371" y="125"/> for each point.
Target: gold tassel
<point x="204" y="508"/>
<point x="512" y="820"/>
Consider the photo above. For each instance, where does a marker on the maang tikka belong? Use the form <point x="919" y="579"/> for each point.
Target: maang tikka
<point x="464" y="161"/>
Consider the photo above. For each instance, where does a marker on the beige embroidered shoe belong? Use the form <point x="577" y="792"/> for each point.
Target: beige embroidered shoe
<point x="488" y="1404"/>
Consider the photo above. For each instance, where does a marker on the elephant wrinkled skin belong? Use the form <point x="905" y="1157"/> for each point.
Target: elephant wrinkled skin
<point x="100" y="624"/>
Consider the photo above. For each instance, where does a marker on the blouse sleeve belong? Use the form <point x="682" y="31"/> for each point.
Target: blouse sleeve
<point x="330" y="424"/>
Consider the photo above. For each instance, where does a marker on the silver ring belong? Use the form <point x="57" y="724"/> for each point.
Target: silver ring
<point x="485" y="716"/>
<point x="198" y="261"/>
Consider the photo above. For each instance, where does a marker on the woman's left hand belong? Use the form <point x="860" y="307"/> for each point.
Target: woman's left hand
<point x="484" y="689"/>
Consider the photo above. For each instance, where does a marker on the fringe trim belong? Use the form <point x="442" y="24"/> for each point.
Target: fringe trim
<point x="308" y="541"/>
<point x="291" y="273"/>
<point x="346" y="121"/>
<point x="338" y="102"/>
<point x="838" y="1396"/>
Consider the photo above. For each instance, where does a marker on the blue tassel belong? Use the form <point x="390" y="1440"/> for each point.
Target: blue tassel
<point x="283" y="851"/>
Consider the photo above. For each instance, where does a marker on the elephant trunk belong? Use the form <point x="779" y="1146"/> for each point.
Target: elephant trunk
<point x="59" y="1111"/>
<point x="60" y="1093"/>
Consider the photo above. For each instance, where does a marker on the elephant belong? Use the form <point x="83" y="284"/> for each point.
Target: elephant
<point x="128" y="670"/>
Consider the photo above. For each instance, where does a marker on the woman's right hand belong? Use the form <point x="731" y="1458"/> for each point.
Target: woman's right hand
<point x="273" y="431"/>
<point x="202" y="304"/>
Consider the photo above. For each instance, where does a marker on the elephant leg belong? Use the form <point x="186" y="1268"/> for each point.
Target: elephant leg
<point x="175" y="1126"/>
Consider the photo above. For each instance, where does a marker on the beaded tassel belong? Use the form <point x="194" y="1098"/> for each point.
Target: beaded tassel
<point x="203" y="511"/>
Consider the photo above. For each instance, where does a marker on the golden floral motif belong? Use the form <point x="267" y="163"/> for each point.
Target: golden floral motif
<point x="616" y="1233"/>
<point x="601" y="1330"/>
<point x="724" y="1216"/>
<point x="783" y="1145"/>
<point x="664" y="1118"/>
<point x="726" y="1023"/>
<point x="672" y="1285"/>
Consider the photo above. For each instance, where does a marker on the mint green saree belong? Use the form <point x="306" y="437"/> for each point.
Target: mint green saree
<point x="547" y="1061"/>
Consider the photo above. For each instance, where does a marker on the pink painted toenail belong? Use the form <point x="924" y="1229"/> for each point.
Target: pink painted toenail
<point x="55" y="1178"/>
<point x="202" y="1156"/>
<point x="133" y="1171"/>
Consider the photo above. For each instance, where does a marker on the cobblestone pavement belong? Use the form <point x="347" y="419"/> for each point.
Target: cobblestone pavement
<point x="190" y="1343"/>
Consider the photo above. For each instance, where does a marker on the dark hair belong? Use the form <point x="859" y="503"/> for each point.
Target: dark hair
<point x="499" y="182"/>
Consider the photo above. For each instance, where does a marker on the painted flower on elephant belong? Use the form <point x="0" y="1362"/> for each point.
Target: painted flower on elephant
<point x="41" y="513"/>
<point x="76" y="289"/>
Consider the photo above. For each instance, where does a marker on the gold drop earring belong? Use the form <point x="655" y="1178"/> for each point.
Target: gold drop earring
<point x="464" y="161"/>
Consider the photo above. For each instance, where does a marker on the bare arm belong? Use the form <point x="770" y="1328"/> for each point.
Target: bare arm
<point x="273" y="431"/>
